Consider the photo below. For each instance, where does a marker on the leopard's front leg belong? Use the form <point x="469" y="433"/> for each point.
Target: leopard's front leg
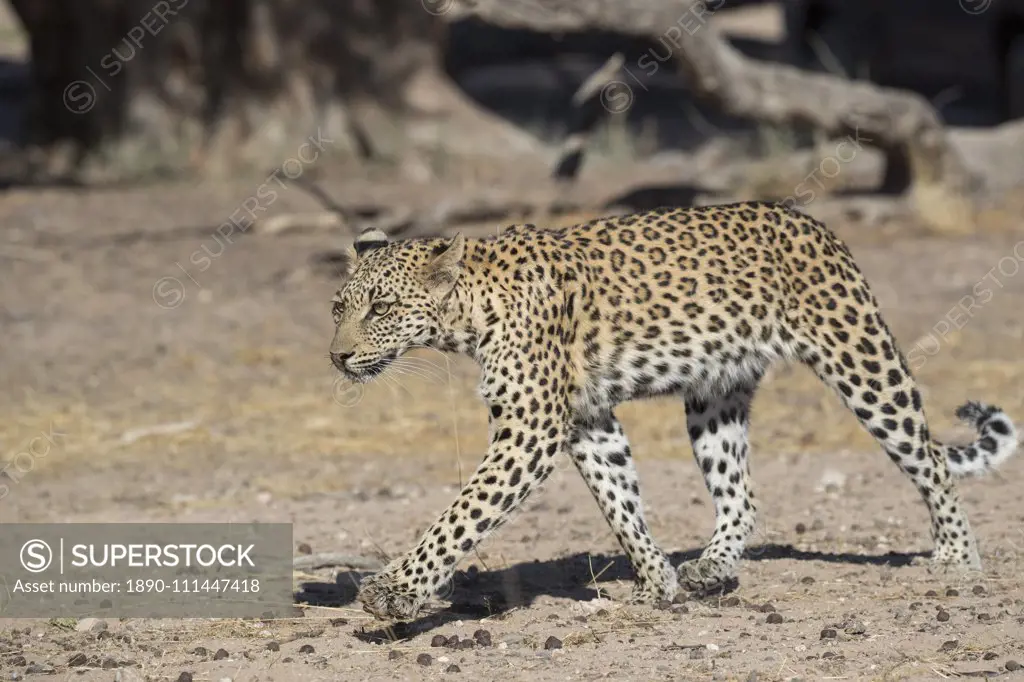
<point x="524" y="443"/>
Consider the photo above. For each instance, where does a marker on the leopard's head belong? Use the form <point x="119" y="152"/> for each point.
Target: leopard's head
<point x="392" y="300"/>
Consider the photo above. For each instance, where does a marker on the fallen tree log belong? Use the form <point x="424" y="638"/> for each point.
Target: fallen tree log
<point x="902" y="124"/>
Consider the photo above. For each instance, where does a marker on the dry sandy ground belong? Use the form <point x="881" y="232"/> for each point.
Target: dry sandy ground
<point x="238" y="368"/>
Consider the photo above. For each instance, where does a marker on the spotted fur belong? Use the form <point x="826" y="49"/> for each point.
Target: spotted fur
<point x="698" y="303"/>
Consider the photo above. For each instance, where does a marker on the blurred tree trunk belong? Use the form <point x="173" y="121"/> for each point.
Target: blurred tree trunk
<point x="128" y="87"/>
<point x="902" y="124"/>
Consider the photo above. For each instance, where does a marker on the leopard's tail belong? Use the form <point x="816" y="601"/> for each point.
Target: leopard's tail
<point x="997" y="440"/>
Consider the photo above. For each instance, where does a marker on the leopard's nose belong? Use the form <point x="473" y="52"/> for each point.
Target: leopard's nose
<point x="339" y="359"/>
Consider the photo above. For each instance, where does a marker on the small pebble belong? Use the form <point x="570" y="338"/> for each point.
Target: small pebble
<point x="552" y="643"/>
<point x="931" y="593"/>
<point x="394" y="655"/>
<point x="91" y="625"/>
<point x="731" y="601"/>
<point x="108" y="664"/>
<point x="855" y="628"/>
<point x="807" y="580"/>
<point x="942" y="616"/>
<point x="829" y="633"/>
<point x="273" y="646"/>
<point x="949" y="645"/>
<point x="663" y="605"/>
<point x="466" y="644"/>
<point x="990" y="655"/>
<point x="978" y="589"/>
<point x="200" y="651"/>
<point x="304" y="548"/>
<point x="220" y="655"/>
<point x="1013" y="665"/>
<point x="307" y="649"/>
<point x="774" y="618"/>
<point x="801" y="529"/>
<point x="767" y="608"/>
<point x="78" y="659"/>
<point x="438" y="640"/>
<point x="453" y="669"/>
<point x="453" y="641"/>
<point x="424" y="659"/>
<point x="338" y="622"/>
<point x="185" y="677"/>
<point x="952" y="592"/>
<point x="482" y="637"/>
<point x="287" y="659"/>
<point x="36" y="669"/>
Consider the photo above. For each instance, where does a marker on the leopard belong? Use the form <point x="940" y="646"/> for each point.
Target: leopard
<point x="691" y="303"/>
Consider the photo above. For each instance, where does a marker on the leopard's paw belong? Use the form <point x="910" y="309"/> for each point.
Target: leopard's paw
<point x="385" y="596"/>
<point x="707" y="576"/>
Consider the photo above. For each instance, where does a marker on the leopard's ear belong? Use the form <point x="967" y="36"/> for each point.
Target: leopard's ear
<point x="444" y="268"/>
<point x="369" y="239"/>
<point x="348" y="265"/>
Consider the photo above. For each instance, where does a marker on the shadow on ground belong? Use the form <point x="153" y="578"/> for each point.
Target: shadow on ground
<point x="483" y="594"/>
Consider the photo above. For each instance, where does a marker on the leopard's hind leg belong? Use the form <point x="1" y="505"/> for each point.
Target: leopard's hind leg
<point x="718" y="431"/>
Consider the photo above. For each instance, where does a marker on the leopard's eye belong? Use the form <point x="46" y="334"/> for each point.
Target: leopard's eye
<point x="381" y="308"/>
<point x="336" y="309"/>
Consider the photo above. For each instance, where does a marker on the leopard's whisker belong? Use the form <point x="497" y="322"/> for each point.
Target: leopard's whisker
<point x="410" y="373"/>
<point x="392" y="381"/>
<point x="423" y="361"/>
<point x="407" y="362"/>
<point x="427" y="372"/>
<point x="417" y="371"/>
<point x="432" y="369"/>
